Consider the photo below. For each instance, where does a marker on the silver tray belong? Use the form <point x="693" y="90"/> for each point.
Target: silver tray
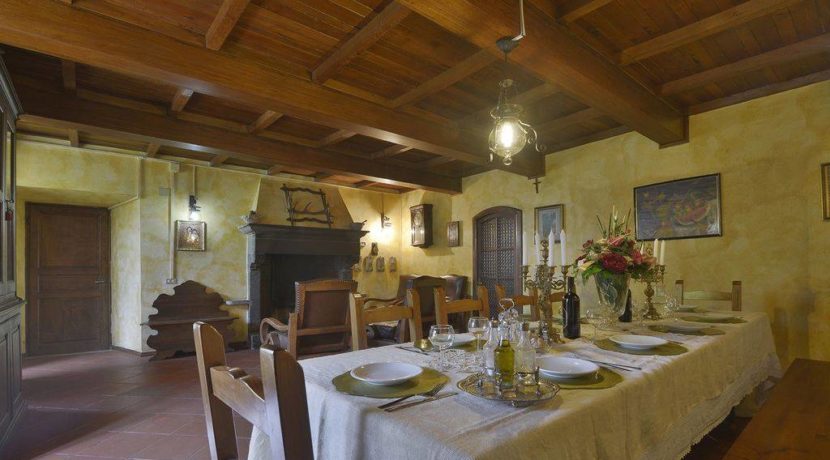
<point x="545" y="390"/>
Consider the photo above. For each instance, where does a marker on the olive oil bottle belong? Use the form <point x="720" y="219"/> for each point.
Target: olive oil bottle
<point x="504" y="358"/>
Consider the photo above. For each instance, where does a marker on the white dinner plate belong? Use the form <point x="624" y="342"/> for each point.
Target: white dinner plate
<point x="637" y="342"/>
<point x="688" y="309"/>
<point x="386" y="373"/>
<point x="718" y="315"/>
<point x="461" y="339"/>
<point x="684" y="326"/>
<point x="565" y="368"/>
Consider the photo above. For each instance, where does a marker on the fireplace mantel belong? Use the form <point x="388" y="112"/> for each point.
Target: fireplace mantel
<point x="266" y="243"/>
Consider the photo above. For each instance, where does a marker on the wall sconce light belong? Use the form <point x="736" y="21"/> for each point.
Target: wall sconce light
<point x="385" y="221"/>
<point x="193" y="209"/>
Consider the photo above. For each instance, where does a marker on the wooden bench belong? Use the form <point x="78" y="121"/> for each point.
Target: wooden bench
<point x="795" y="422"/>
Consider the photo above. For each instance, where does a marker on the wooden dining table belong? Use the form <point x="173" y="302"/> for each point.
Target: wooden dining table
<point x="657" y="412"/>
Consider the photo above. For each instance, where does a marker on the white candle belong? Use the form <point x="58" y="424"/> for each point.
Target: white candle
<point x="551" y="242"/>
<point x="535" y="249"/>
<point x="525" y="244"/>
<point x="656" y="249"/>
<point x="562" y="247"/>
<point x="663" y="253"/>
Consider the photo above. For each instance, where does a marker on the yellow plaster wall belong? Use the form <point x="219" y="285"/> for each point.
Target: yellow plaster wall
<point x="125" y="268"/>
<point x="768" y="152"/>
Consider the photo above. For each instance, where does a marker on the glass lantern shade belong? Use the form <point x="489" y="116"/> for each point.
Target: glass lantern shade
<point x="507" y="138"/>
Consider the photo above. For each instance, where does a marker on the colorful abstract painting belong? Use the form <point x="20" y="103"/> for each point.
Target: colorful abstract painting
<point x="685" y="208"/>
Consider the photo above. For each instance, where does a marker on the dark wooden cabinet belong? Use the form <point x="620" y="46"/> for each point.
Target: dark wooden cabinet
<point x="11" y="401"/>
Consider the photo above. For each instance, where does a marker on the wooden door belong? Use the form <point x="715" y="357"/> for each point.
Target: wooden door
<point x="497" y="238"/>
<point x="67" y="282"/>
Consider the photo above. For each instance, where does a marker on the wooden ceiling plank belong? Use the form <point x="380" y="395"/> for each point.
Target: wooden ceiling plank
<point x="180" y="99"/>
<point x="526" y="98"/>
<point x="322" y="176"/>
<point x="219" y="159"/>
<point x="569" y="120"/>
<point x="728" y="19"/>
<point x="74" y="138"/>
<point x="68" y="112"/>
<point x="335" y="137"/>
<point x="390" y="151"/>
<point x="429" y="164"/>
<point x="69" y="75"/>
<point x="229" y="13"/>
<point x="268" y="118"/>
<point x="386" y="20"/>
<point x="449" y="77"/>
<point x="812" y="46"/>
<point x="152" y="150"/>
<point x="551" y="52"/>
<point x="364" y="184"/>
<point x="577" y="9"/>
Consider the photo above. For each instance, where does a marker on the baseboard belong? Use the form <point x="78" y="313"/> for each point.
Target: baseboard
<point x="141" y="354"/>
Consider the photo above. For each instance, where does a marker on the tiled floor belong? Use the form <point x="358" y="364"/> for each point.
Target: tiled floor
<point x="116" y="405"/>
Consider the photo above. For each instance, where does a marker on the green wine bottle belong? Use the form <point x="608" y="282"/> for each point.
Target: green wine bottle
<point x="504" y="358"/>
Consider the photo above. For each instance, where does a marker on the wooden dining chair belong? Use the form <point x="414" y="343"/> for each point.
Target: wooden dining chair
<point x="320" y="322"/>
<point x="719" y="296"/>
<point x="363" y="317"/>
<point x="276" y="404"/>
<point x="529" y="299"/>
<point x="444" y="307"/>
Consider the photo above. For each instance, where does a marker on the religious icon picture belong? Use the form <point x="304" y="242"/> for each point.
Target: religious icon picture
<point x="190" y="235"/>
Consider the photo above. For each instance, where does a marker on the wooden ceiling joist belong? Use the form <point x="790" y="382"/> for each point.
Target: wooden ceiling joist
<point x="335" y="137"/>
<point x="390" y="151"/>
<point x="69" y="75"/>
<point x="219" y="159"/>
<point x="152" y="150"/>
<point x="276" y="169"/>
<point x="268" y="118"/>
<point x="322" y="176"/>
<point x="553" y="53"/>
<point x="575" y="9"/>
<point x="525" y="98"/>
<point x="180" y="99"/>
<point x="569" y="120"/>
<point x="447" y="78"/>
<point x="68" y="112"/>
<point x="224" y="22"/>
<point x="364" y="184"/>
<point x="798" y="50"/>
<point x="74" y="138"/>
<point x="71" y="33"/>
<point x="711" y="25"/>
<point x="386" y="20"/>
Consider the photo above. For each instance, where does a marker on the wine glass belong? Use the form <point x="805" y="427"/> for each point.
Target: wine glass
<point x="595" y="314"/>
<point x="441" y="337"/>
<point x="672" y="306"/>
<point x="476" y="325"/>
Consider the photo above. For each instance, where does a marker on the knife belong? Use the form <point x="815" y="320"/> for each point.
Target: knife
<point x="425" y="400"/>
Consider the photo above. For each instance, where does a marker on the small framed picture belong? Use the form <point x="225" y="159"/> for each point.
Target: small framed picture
<point x="190" y="235"/>
<point x="454" y="233"/>
<point x="549" y="218"/>
<point x="825" y="190"/>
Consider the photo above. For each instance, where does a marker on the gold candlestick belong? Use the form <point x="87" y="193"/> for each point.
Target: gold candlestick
<point x="544" y="283"/>
<point x="655" y="275"/>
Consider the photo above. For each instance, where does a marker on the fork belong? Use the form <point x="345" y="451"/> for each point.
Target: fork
<point x="434" y="391"/>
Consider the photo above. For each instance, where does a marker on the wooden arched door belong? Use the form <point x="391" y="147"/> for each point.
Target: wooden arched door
<point x="497" y="255"/>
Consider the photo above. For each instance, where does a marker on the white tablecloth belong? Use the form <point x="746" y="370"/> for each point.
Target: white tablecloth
<point x="656" y="413"/>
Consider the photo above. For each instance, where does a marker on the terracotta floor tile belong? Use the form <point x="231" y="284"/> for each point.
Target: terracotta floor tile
<point x="123" y="444"/>
<point x="162" y="423"/>
<point x="173" y="448"/>
<point x="195" y="427"/>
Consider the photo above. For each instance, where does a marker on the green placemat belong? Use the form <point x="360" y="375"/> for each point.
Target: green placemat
<point x="469" y="346"/>
<point x="707" y="331"/>
<point x="703" y="319"/>
<point x="605" y="378"/>
<point x="669" y="349"/>
<point x="345" y="383"/>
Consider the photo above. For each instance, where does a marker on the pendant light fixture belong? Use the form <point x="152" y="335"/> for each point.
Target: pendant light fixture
<point x="510" y="134"/>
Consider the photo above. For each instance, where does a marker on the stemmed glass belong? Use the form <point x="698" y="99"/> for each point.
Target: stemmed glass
<point x="440" y="335"/>
<point x="477" y="325"/>
<point x="672" y="306"/>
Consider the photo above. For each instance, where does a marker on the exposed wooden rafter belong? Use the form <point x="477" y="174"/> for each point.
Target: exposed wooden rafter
<point x="180" y="99"/>
<point x="335" y="137"/>
<point x="798" y="50"/>
<point x="219" y="159"/>
<point x="74" y="138"/>
<point x="554" y="54"/>
<point x="69" y="75"/>
<point x="390" y="151"/>
<point x="711" y="25"/>
<point x="152" y="150"/>
<point x="364" y="184"/>
<point x="569" y="120"/>
<point x="525" y="98"/>
<point x="276" y="169"/>
<point x="68" y="112"/>
<point x="268" y="118"/>
<point x="322" y="176"/>
<point x="224" y="22"/>
<point x="386" y="20"/>
<point x="575" y="9"/>
<point x="447" y="78"/>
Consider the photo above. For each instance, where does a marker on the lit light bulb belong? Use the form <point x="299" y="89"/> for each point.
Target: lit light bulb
<point x="194" y="215"/>
<point x="506" y="135"/>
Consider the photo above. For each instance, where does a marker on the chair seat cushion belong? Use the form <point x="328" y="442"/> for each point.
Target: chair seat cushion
<point x="387" y="330"/>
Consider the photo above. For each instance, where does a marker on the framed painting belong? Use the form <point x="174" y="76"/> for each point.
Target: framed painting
<point x="683" y="208"/>
<point x="825" y="190"/>
<point x="547" y="218"/>
<point x="454" y="233"/>
<point x="190" y="235"/>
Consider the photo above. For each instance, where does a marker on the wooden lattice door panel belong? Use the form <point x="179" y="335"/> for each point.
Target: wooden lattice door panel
<point x="497" y="238"/>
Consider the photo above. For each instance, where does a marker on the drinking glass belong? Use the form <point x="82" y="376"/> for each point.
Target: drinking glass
<point x="595" y="314"/>
<point x="672" y="306"/>
<point x="441" y="337"/>
<point x="477" y="325"/>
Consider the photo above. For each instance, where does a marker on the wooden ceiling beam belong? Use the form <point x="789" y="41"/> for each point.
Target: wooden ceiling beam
<point x="390" y="151"/>
<point x="180" y="99"/>
<point x="385" y="21"/>
<point x="364" y="184"/>
<point x="576" y="9"/>
<point x="268" y="118"/>
<point x="276" y="169"/>
<point x="70" y="112"/>
<point x="335" y="137"/>
<point x="449" y="77"/>
<point x="567" y="121"/>
<point x="152" y="150"/>
<point x="322" y="176"/>
<point x="438" y="161"/>
<point x="598" y="136"/>
<point x="69" y="75"/>
<point x="71" y="33"/>
<point x="551" y="52"/>
<point x="728" y="19"/>
<point x="223" y="23"/>
<point x="74" y="138"/>
<point x="219" y="159"/>
<point x="810" y="47"/>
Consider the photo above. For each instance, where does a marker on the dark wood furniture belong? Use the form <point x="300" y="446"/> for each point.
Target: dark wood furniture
<point x="362" y="317"/>
<point x="421" y="223"/>
<point x="794" y="423"/>
<point x="497" y="254"/>
<point x="320" y="324"/>
<point x="11" y="354"/>
<point x="275" y="403"/>
<point x="733" y="297"/>
<point x="529" y="299"/>
<point x="176" y="314"/>
<point x="444" y="307"/>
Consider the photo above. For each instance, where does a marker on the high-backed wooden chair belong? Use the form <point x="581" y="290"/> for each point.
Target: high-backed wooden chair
<point x="721" y="296"/>
<point x="362" y="317"/>
<point x="275" y="404"/>
<point x="444" y="307"/>
<point x="529" y="299"/>
<point x="320" y="322"/>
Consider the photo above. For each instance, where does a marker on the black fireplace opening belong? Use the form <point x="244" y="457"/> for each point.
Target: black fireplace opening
<point x="281" y="271"/>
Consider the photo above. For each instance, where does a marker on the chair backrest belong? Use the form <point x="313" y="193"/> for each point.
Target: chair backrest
<point x="322" y="315"/>
<point x="734" y="297"/>
<point x="444" y="307"/>
<point x="275" y="404"/>
<point x="530" y="299"/>
<point x="455" y="286"/>
<point x="362" y="317"/>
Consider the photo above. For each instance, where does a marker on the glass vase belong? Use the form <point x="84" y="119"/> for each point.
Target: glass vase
<point x="612" y="291"/>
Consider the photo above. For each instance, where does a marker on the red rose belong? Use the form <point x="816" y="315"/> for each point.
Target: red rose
<point x="637" y="257"/>
<point x="613" y="262"/>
